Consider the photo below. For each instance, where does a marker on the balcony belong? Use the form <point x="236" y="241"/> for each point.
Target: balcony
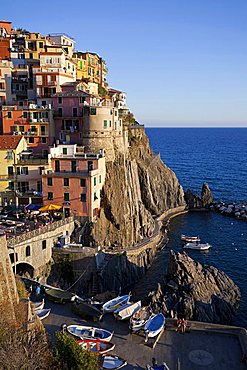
<point x="32" y="160"/>
<point x="6" y="177"/>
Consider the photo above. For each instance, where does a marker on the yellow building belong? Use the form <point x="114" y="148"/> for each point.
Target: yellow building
<point x="10" y="148"/>
<point x="91" y="66"/>
<point x="34" y="45"/>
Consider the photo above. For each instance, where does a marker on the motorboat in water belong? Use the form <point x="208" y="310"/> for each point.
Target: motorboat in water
<point x="89" y="332"/>
<point x="42" y="314"/>
<point x="197" y="246"/>
<point x="126" y="311"/>
<point x="154" y="326"/>
<point x="96" y="345"/>
<point x="140" y="318"/>
<point x="190" y="239"/>
<point x="112" y="363"/>
<point x="115" y="303"/>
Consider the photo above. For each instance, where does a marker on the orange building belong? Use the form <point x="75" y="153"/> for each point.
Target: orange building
<point x="5" y="31"/>
<point x="34" y="123"/>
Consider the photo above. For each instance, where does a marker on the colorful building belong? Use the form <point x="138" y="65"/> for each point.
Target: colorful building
<point x="10" y="149"/>
<point x="92" y="67"/>
<point x="75" y="180"/>
<point x="34" y="122"/>
<point x="5" y="34"/>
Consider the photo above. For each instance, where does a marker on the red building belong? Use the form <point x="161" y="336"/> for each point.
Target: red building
<point x="5" y="32"/>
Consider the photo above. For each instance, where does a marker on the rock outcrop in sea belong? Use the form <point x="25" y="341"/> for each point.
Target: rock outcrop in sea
<point x="193" y="201"/>
<point x="138" y="185"/>
<point x="197" y="292"/>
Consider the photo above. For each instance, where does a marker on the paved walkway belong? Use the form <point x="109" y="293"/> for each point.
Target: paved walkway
<point x="196" y="350"/>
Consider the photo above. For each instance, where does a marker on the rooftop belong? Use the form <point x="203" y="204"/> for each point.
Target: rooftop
<point x="9" y="141"/>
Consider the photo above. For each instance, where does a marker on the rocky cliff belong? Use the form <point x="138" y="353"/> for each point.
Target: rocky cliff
<point x="138" y="185"/>
<point x="201" y="293"/>
<point x="193" y="201"/>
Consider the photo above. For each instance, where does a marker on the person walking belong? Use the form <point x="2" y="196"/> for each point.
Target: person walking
<point x="183" y="325"/>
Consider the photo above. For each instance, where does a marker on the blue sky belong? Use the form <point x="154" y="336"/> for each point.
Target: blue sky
<point x="181" y="62"/>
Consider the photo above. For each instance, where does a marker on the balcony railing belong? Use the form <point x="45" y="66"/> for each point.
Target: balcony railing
<point x="32" y="161"/>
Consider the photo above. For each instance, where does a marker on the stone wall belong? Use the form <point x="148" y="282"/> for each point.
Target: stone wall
<point x="41" y="242"/>
<point x="8" y="293"/>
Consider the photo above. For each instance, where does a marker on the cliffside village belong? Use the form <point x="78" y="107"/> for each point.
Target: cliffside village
<point x="59" y="123"/>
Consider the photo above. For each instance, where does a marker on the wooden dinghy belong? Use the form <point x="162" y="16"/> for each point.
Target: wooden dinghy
<point x="96" y="345"/>
<point x="115" y="303"/>
<point x="86" y="311"/>
<point x="59" y="295"/>
<point x="38" y="305"/>
<point x="154" y="326"/>
<point x="126" y="311"/>
<point x="42" y="314"/>
<point x="112" y="363"/>
<point x="140" y="318"/>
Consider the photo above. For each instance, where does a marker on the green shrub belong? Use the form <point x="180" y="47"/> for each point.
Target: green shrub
<point x="71" y="356"/>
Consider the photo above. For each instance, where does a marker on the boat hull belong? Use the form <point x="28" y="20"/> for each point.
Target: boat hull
<point x="96" y="346"/>
<point x="197" y="247"/>
<point x="113" y="363"/>
<point x="87" y="332"/>
<point x="154" y="326"/>
<point x="140" y="318"/>
<point x="115" y="303"/>
<point x="42" y="314"/>
<point x="127" y="310"/>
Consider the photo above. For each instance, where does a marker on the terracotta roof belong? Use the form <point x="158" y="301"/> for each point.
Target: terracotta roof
<point x="9" y="141"/>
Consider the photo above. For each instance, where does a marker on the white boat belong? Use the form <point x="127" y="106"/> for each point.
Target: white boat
<point x="197" y="246"/>
<point x="188" y="239"/>
<point x="115" y="303"/>
<point x="154" y="326"/>
<point x="139" y="319"/>
<point x="38" y="305"/>
<point x="89" y="332"/>
<point x="113" y="363"/>
<point x="42" y="314"/>
<point x="158" y="367"/>
<point x="126" y="311"/>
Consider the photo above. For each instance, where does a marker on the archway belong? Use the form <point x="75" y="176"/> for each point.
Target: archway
<point x="24" y="269"/>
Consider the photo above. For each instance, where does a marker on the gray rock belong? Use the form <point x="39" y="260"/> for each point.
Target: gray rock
<point x="206" y="195"/>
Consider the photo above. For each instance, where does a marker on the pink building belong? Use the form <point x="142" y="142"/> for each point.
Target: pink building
<point x="75" y="181"/>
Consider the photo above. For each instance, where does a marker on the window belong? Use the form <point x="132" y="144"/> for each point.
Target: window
<point x="31" y="140"/>
<point x="95" y="196"/>
<point x="11" y="185"/>
<point x="50" y="195"/>
<point x="83" y="197"/>
<point x="65" y="151"/>
<point x="105" y="123"/>
<point x="65" y="181"/>
<point x="49" y="181"/>
<point x="74" y="112"/>
<point x="82" y="99"/>
<point x="115" y="113"/>
<point x="115" y="125"/>
<point x="60" y="112"/>
<point x="109" y="123"/>
<point x="73" y="166"/>
<point x="57" y="165"/>
<point x="30" y="55"/>
<point x="41" y="45"/>
<point x="66" y="197"/>
<point x="22" y="170"/>
<point x="42" y="130"/>
<point x="41" y="169"/>
<point x="43" y="244"/>
<point x="28" y="251"/>
<point x="90" y="166"/>
<point x="21" y="129"/>
<point x="93" y="111"/>
<point x="10" y="171"/>
<point x="83" y="183"/>
<point x="9" y="114"/>
<point x="43" y="140"/>
<point x="120" y="123"/>
<point x="9" y="154"/>
<point x="60" y="100"/>
<point x="25" y="114"/>
<point x="95" y="181"/>
<point x="99" y="179"/>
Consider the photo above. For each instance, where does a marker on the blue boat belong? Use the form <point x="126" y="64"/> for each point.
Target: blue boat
<point x="154" y="326"/>
<point x="115" y="303"/>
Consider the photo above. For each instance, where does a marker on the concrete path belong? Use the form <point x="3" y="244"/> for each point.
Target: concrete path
<point x="196" y="350"/>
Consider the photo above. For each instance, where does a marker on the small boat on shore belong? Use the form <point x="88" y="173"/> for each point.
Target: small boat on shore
<point x="42" y="314"/>
<point x="113" y="363"/>
<point x="59" y="295"/>
<point x="126" y="311"/>
<point x="115" y="303"/>
<point x="158" y="367"/>
<point x="86" y="311"/>
<point x="188" y="239"/>
<point x="140" y="318"/>
<point x="197" y="246"/>
<point x="154" y="326"/>
<point x="89" y="332"/>
<point x="96" y="345"/>
<point x="38" y="305"/>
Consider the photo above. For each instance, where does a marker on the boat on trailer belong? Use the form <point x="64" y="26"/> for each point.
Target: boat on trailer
<point x="140" y="318"/>
<point x="89" y="332"/>
<point x="154" y="326"/>
<point x="197" y="246"/>
<point x="190" y="239"/>
<point x="96" y="345"/>
<point x="113" y="363"/>
<point x="115" y="303"/>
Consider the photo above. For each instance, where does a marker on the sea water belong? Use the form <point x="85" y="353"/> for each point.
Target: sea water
<point x="219" y="157"/>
